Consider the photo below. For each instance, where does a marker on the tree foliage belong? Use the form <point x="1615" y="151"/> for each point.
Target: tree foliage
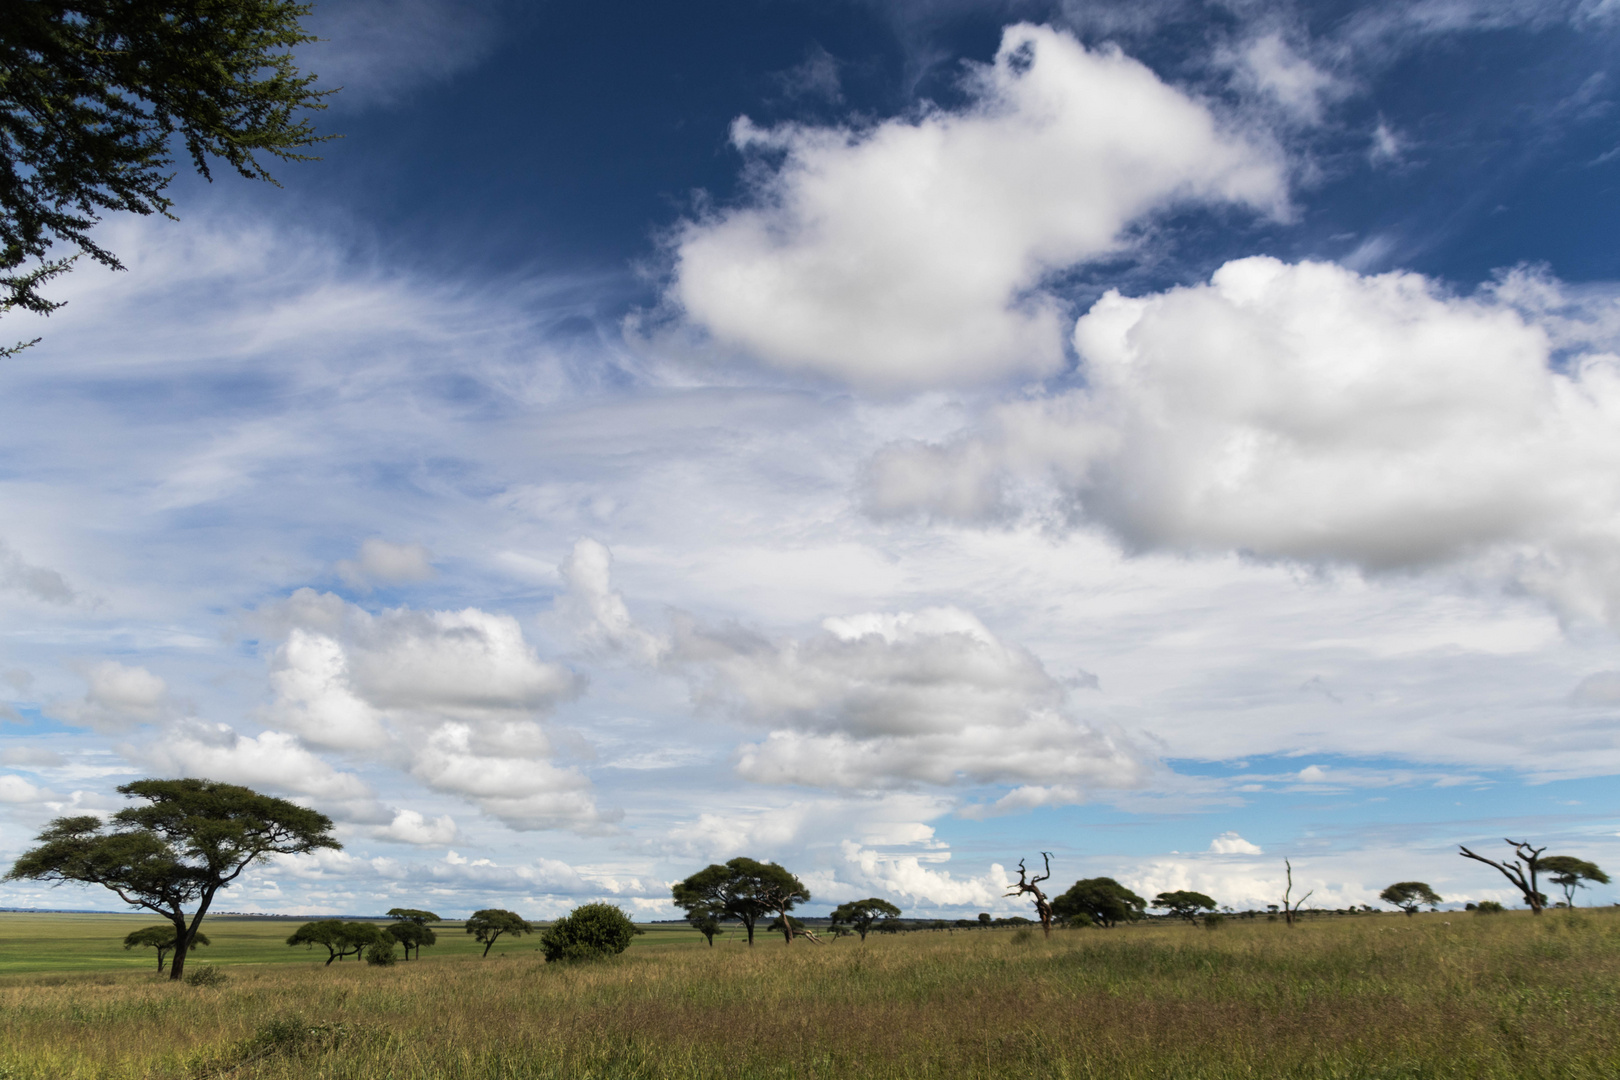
<point x="862" y="914"/>
<point x="95" y="94"/>
<point x="1183" y="903"/>
<point x="743" y="889"/>
<point x="337" y="937"/>
<point x="411" y="929"/>
<point x="1409" y="896"/>
<point x="1101" y="900"/>
<point x="161" y="938"/>
<point x="1570" y="873"/>
<point x="706" y="921"/>
<point x="487" y="925"/>
<point x="589" y="932"/>
<point x="185" y="842"/>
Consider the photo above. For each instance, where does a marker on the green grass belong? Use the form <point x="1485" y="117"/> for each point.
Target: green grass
<point x="1437" y="997"/>
<point x="31" y="944"/>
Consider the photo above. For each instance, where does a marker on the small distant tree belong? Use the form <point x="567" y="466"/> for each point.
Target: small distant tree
<point x="1521" y="871"/>
<point x="337" y="937"/>
<point x="1291" y="908"/>
<point x="1570" y="873"/>
<point x="705" y="921"/>
<point x="160" y="938"/>
<point x="1100" y="900"/>
<point x="1183" y="903"/>
<point x="860" y="915"/>
<point x="1409" y="896"/>
<point x="1031" y="888"/>
<point x="984" y="918"/>
<point x="589" y="932"/>
<point x="187" y="840"/>
<point x="411" y="929"/>
<point x="487" y="925"/>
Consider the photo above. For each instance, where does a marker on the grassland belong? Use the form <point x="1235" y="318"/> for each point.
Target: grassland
<point x="1436" y="996"/>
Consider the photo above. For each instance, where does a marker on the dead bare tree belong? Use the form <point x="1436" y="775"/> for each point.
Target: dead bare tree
<point x="1043" y="907"/>
<point x="1291" y="911"/>
<point x="1522" y="875"/>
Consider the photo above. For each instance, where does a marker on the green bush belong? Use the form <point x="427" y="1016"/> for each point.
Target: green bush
<point x="207" y="975"/>
<point x="1488" y="907"/>
<point x="1213" y="920"/>
<point x="589" y="932"/>
<point x="380" y="953"/>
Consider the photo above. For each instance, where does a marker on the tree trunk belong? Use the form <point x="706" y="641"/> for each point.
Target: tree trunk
<point x="181" y="939"/>
<point x="749" y="923"/>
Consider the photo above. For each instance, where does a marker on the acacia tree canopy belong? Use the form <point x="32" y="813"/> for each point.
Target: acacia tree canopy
<point x="189" y="839"/>
<point x="1409" y="896"/>
<point x="725" y="890"/>
<point x="861" y="914"/>
<point x="1183" y="903"/>
<point x="93" y="94"/>
<point x="487" y="925"/>
<point x="339" y="938"/>
<point x="1570" y="873"/>
<point x="1101" y="900"/>
<point x="161" y="938"/>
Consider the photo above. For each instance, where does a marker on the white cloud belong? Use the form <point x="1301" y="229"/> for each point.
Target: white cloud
<point x="1599" y="688"/>
<point x="118" y="697"/>
<point x="14" y="789"/>
<point x="505" y="772"/>
<point x="382" y="561"/>
<point x="1230" y="843"/>
<point x="310" y="677"/>
<point x="598" y="611"/>
<point x="906" y="877"/>
<point x="1269" y="66"/>
<point x="911" y="254"/>
<point x="410" y="827"/>
<point x="272" y="758"/>
<point x="1305" y="412"/>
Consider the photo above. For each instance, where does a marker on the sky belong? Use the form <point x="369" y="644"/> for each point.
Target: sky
<point x="893" y="438"/>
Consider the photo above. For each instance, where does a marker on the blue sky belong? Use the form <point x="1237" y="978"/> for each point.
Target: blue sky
<point x="893" y="439"/>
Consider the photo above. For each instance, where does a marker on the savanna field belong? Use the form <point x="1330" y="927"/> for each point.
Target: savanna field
<point x="1375" y="996"/>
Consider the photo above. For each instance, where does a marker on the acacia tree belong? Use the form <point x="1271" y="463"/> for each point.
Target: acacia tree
<point x="1570" y="873"/>
<point x="1100" y="900"/>
<point x="337" y="937"/>
<point x="1183" y="903"/>
<point x="1409" y="896"/>
<point x="94" y="96"/>
<point x="487" y="925"/>
<point x="1521" y="870"/>
<point x="862" y="914"/>
<point x="731" y="889"/>
<point x="705" y="921"/>
<point x="188" y="840"/>
<point x="160" y="938"/>
<point x="411" y="929"/>
<point x="1031" y="888"/>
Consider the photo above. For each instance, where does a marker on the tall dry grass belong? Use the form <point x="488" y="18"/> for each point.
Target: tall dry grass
<point x="1375" y="997"/>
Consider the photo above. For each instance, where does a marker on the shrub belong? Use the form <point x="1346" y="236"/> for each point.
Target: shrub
<point x="380" y="953"/>
<point x="207" y="975"/>
<point x="589" y="932"/>
<point x="1213" y="920"/>
<point x="1487" y="907"/>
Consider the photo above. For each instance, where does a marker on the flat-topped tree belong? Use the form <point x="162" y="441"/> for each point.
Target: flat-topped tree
<point x="1183" y="903"/>
<point x="411" y="929"/>
<point x="728" y="890"/>
<point x="161" y="938"/>
<point x="705" y="921"/>
<point x="189" y="839"/>
<point x="337" y="937"/>
<point x="1520" y="870"/>
<point x="1410" y="895"/>
<point x="487" y="925"/>
<point x="1099" y="900"/>
<point x="1570" y="873"/>
<point x="861" y="915"/>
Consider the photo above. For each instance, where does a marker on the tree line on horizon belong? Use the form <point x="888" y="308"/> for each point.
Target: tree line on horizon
<point x="186" y="839"/>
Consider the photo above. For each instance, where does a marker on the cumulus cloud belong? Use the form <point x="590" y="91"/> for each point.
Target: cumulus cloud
<point x="271" y="758"/>
<point x="381" y="561"/>
<point x="1230" y="843"/>
<point x="411" y="827"/>
<point x="597" y="611"/>
<point x="912" y="253"/>
<point x="452" y="696"/>
<point x="908" y="877"/>
<point x="14" y="789"/>
<point x="118" y="697"/>
<point x="1306" y="412"/>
